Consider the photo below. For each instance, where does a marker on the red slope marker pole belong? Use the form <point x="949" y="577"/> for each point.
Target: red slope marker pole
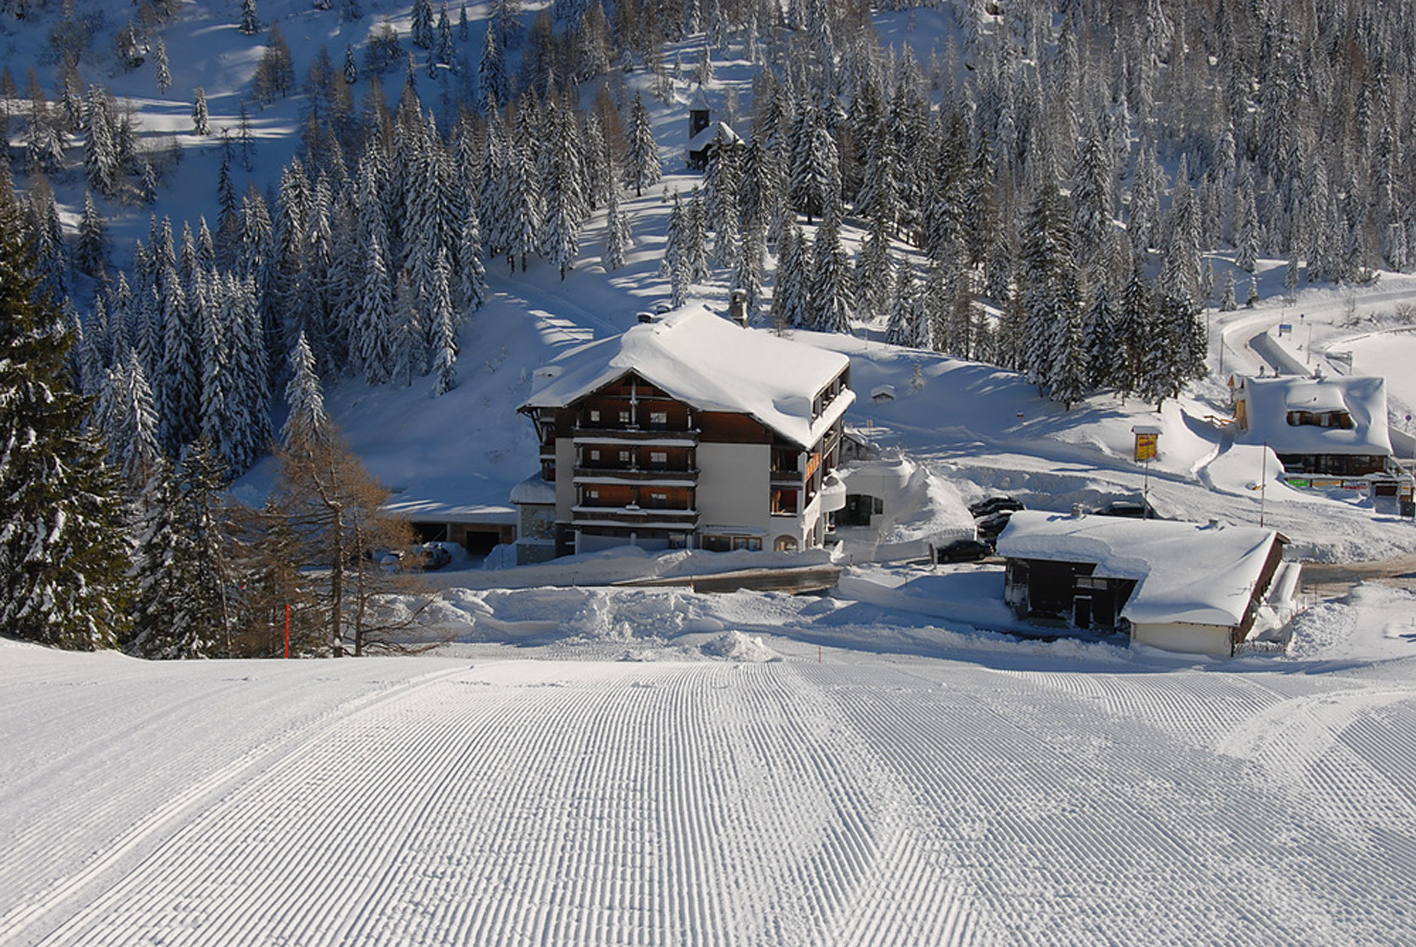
<point x="287" y="631"/>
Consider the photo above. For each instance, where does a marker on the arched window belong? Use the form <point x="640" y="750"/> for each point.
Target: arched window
<point x="785" y="544"/>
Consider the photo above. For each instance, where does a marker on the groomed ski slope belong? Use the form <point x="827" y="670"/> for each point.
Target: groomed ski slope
<point x="1037" y="797"/>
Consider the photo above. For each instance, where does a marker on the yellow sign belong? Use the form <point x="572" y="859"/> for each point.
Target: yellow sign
<point x="1145" y="446"/>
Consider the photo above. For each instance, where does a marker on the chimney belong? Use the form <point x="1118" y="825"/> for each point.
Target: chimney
<point x="644" y="317"/>
<point x="1077" y="511"/>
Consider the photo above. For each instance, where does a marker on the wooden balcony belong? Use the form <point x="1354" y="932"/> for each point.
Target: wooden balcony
<point x="631" y="516"/>
<point x="639" y="475"/>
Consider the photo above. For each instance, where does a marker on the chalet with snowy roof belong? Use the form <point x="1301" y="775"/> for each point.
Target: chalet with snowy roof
<point x="687" y="431"/>
<point x="1187" y="587"/>
<point x="1329" y="427"/>
<point x="704" y="134"/>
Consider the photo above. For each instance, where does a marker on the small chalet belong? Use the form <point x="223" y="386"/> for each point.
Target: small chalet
<point x="1333" y="427"/>
<point x="704" y="134"/>
<point x="687" y="431"/>
<point x="1177" y="586"/>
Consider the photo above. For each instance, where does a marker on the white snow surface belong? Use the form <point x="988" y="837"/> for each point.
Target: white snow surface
<point x="647" y="775"/>
<point x="1186" y="572"/>
<point x="701" y="358"/>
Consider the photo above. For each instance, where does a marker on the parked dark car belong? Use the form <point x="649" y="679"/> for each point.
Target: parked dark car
<point x="1137" y="509"/>
<point x="991" y="505"/>
<point x="434" y="555"/>
<point x="963" y="550"/>
<point x="990" y="526"/>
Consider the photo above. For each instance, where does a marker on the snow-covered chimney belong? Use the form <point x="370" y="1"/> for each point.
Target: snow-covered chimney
<point x="737" y="307"/>
<point x="644" y="316"/>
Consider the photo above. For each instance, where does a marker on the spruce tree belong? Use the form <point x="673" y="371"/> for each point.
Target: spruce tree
<point x="62" y="557"/>
<point x="642" y="165"/>
<point x="304" y="396"/>
<point x="617" y="231"/>
<point x="183" y="569"/>
<point x="830" y="291"/>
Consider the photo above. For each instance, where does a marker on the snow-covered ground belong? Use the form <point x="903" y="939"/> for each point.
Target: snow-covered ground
<point x="882" y="781"/>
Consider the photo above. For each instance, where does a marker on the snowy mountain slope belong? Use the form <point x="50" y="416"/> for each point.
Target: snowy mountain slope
<point x="1040" y="795"/>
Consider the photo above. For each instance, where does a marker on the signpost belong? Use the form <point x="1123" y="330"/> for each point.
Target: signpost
<point x="1147" y="447"/>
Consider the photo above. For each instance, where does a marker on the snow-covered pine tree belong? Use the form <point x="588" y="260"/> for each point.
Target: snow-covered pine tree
<point x="747" y="268"/>
<point x="722" y="192"/>
<point x="62" y="556"/>
<point x="422" y="30"/>
<point x="526" y="207"/>
<point x="1146" y="185"/>
<point x="444" y="333"/>
<point x="1104" y="352"/>
<point x="1051" y="300"/>
<point x="617" y="230"/>
<point x="161" y="73"/>
<point x="830" y="290"/>
<point x="791" y="303"/>
<point x="898" y="330"/>
<point x="249" y="22"/>
<point x="304" y="397"/>
<point x="91" y="251"/>
<point x="128" y="420"/>
<point x="815" y="183"/>
<point x="873" y="276"/>
<point x="1227" y="300"/>
<point x="182" y="565"/>
<point x="695" y="244"/>
<point x="179" y="384"/>
<point x="565" y="201"/>
<point x="372" y="343"/>
<point x="642" y="164"/>
<point x="101" y="162"/>
<point x="491" y="74"/>
<point x="1246" y="237"/>
<point x="471" y="275"/>
<point x="201" y="120"/>
<point x="409" y="351"/>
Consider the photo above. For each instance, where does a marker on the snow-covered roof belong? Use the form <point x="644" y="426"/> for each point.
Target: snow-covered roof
<point x="534" y="491"/>
<point x="434" y="511"/>
<point x="708" y="135"/>
<point x="1186" y="572"/>
<point x="1271" y="399"/>
<point x="711" y="364"/>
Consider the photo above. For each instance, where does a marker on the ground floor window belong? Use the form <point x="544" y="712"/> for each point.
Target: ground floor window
<point x="726" y="543"/>
<point x="785" y="544"/>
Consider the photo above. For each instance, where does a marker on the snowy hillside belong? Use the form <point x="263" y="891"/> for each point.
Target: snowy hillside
<point x="1004" y="792"/>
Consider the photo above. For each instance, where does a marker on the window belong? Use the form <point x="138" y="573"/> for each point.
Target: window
<point x="594" y="416"/>
<point x="626" y="457"/>
<point x="658" y="458"/>
<point x="594" y="455"/>
<point x="659" y="419"/>
<point x="751" y="543"/>
<point x="592" y="494"/>
<point x="658" y="500"/>
<point x="785" y="544"/>
<point x="624" y="417"/>
<point x="717" y="543"/>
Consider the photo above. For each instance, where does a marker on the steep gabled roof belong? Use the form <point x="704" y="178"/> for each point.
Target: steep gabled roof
<point x="710" y="134"/>
<point x="709" y="363"/>
<point x="1185" y="572"/>
<point x="1270" y="400"/>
